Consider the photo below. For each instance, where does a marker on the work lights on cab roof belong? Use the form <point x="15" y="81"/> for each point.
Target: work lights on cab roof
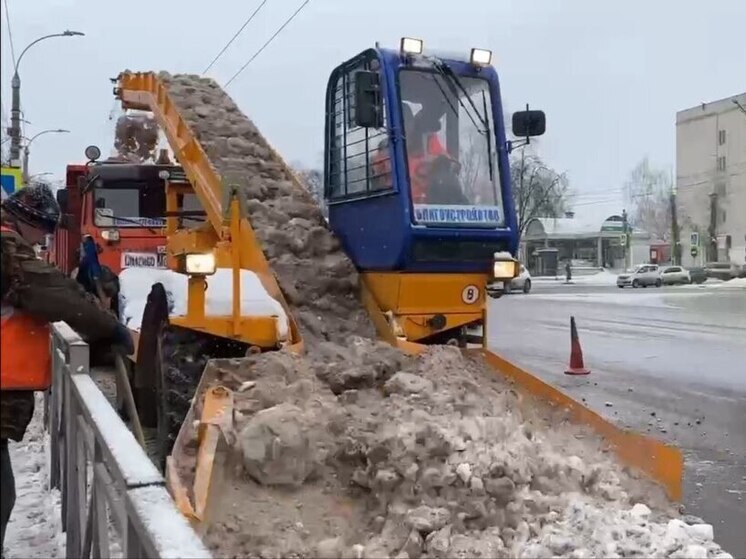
<point x="410" y="47"/>
<point x="481" y="57"/>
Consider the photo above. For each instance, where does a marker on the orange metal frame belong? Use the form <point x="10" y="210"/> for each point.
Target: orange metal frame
<point x="231" y="237"/>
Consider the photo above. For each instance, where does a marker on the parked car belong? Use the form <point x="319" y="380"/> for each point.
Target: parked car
<point x="642" y="275"/>
<point x="697" y="274"/>
<point x="722" y="270"/>
<point x="521" y="282"/>
<point x="675" y="275"/>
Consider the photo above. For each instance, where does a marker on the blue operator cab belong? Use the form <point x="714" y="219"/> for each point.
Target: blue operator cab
<point x="417" y="183"/>
<point x="417" y="177"/>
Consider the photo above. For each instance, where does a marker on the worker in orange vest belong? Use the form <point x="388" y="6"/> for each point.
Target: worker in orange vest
<point x="433" y="170"/>
<point x="35" y="293"/>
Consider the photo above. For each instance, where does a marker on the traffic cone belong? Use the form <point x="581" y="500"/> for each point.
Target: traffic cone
<point x="576" y="353"/>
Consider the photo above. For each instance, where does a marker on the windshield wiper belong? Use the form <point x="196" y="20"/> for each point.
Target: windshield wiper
<point x="454" y="82"/>
<point x="488" y="135"/>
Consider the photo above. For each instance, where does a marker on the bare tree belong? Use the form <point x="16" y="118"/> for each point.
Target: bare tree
<point x="313" y="180"/>
<point x="648" y="191"/>
<point x="538" y="190"/>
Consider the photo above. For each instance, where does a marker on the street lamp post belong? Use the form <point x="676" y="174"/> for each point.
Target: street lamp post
<point x="15" y="112"/>
<point x="26" y="149"/>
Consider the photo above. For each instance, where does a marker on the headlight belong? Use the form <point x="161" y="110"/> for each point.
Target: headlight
<point x="411" y="46"/>
<point x="110" y="235"/>
<point x="481" y="57"/>
<point x="505" y="269"/>
<point x="200" y="264"/>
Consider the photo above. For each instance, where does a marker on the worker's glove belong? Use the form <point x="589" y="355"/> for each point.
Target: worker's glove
<point x="123" y="339"/>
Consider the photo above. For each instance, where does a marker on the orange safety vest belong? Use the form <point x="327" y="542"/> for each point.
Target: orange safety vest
<point x="25" y="363"/>
<point x="418" y="168"/>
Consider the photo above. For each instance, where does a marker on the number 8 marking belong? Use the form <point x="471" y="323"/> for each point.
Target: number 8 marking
<point x="470" y="294"/>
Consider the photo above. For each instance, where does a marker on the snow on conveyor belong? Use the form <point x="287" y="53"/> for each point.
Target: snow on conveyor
<point x="135" y="284"/>
<point x="35" y="529"/>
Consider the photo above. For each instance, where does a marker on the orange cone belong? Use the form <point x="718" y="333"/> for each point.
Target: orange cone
<point x="576" y="353"/>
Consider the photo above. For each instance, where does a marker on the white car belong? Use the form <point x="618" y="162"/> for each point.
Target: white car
<point x="675" y="275"/>
<point x="522" y="282"/>
<point x="642" y="275"/>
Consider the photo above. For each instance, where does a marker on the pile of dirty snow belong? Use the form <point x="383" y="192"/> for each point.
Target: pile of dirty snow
<point x="135" y="285"/>
<point x="366" y="452"/>
<point x="318" y="280"/>
<point x="736" y="283"/>
<point x="35" y="527"/>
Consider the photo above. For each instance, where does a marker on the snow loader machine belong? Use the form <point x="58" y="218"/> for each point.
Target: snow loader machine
<point x="417" y="185"/>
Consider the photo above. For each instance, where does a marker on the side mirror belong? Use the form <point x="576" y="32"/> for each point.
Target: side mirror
<point x="368" y="106"/>
<point x="62" y="200"/>
<point x="529" y="123"/>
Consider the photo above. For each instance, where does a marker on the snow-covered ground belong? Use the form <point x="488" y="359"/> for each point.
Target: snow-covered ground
<point x="737" y="283"/>
<point x="601" y="278"/>
<point x="135" y="284"/>
<point x="35" y="527"/>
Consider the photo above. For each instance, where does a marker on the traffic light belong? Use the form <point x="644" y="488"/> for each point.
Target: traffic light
<point x="694" y="239"/>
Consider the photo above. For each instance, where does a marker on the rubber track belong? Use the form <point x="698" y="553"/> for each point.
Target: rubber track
<point x="184" y="354"/>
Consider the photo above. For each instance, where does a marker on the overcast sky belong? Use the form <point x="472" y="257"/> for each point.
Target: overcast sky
<point x="610" y="75"/>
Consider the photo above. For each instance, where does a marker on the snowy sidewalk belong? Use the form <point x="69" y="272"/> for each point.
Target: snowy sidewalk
<point x="35" y="527"/>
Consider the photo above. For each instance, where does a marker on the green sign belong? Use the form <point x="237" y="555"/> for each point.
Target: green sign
<point x="694" y="251"/>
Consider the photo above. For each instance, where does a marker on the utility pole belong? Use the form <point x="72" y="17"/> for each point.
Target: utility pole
<point x="15" y="111"/>
<point x="675" y="241"/>
<point x="625" y="228"/>
<point x="712" y="245"/>
<point x="24" y="172"/>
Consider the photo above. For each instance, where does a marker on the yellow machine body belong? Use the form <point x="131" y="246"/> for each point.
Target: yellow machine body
<point x="406" y="308"/>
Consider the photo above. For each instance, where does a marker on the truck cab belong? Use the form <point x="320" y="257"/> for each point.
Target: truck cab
<point x="122" y="207"/>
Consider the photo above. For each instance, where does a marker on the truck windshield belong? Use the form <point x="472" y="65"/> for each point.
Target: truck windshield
<point x="449" y="132"/>
<point x="129" y="204"/>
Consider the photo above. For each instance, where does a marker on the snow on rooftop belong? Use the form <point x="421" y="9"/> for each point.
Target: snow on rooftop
<point x="574" y="227"/>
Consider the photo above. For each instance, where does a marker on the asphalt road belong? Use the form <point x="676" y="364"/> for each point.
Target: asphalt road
<point x="670" y="362"/>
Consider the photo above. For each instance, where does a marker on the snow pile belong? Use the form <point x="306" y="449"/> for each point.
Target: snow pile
<point x="365" y="452"/>
<point x="736" y="283"/>
<point x="35" y="527"/>
<point x="318" y="280"/>
<point x="135" y="284"/>
<point x="601" y="278"/>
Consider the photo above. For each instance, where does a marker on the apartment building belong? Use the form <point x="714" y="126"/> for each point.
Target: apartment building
<point x="711" y="181"/>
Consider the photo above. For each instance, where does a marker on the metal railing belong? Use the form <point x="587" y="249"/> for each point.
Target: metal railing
<point x="104" y="475"/>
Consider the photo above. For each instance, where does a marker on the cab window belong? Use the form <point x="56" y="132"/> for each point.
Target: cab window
<point x="129" y="204"/>
<point x="359" y="161"/>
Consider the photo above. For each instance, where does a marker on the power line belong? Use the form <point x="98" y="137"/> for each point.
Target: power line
<point x="257" y="53"/>
<point x="10" y="35"/>
<point x="248" y="20"/>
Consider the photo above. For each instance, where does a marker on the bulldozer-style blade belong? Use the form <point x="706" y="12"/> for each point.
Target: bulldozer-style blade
<point x="662" y="463"/>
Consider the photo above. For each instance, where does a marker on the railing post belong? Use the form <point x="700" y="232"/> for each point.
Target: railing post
<point x="87" y="433"/>
<point x="72" y="506"/>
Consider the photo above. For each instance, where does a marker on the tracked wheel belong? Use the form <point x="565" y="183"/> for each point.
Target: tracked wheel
<point x="181" y="358"/>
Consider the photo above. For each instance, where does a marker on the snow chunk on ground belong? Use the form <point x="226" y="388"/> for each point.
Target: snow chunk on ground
<point x="736" y="283"/>
<point x="135" y="284"/>
<point x="601" y="278"/>
<point x="35" y="528"/>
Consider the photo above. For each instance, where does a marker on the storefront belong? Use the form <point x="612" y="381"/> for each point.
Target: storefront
<point x="589" y="243"/>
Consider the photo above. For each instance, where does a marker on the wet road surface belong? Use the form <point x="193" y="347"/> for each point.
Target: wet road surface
<point x="668" y="362"/>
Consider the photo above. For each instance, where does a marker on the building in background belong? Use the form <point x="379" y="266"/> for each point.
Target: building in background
<point x="711" y="181"/>
<point x="586" y="242"/>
